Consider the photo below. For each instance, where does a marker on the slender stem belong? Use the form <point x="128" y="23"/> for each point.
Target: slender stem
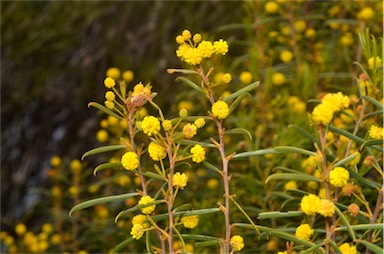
<point x="170" y="198"/>
<point x="376" y="213"/>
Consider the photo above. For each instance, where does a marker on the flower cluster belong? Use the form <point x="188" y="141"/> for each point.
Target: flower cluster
<point x="304" y="231"/>
<point x="330" y="104"/>
<point x="146" y="200"/>
<point x="220" y="110"/>
<point x="312" y="204"/>
<point x="190" y="221"/>
<point x="156" y="152"/>
<point x="193" y="50"/>
<point x="150" y="125"/>
<point x="130" y="161"/>
<point x="339" y="176"/>
<point x="237" y="243"/>
<point x="198" y="153"/>
<point x="180" y="180"/>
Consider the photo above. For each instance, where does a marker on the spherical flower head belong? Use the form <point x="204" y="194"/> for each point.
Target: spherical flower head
<point x="128" y="76"/>
<point x="199" y="122"/>
<point x="198" y="153"/>
<point x="181" y="51"/>
<point x="189" y="130"/>
<point x="376" y="132"/>
<point x="304" y="231"/>
<point x="353" y="209"/>
<point x="326" y="209"/>
<point x="192" y="56"/>
<point x="336" y="101"/>
<point x="141" y="90"/>
<point x="220" y="110"/>
<point x="322" y="113"/>
<point x="221" y="47"/>
<point x="109" y="104"/>
<point x="205" y="49"/>
<point x="145" y="200"/>
<point x="346" y="248"/>
<point x="349" y="189"/>
<point x="366" y="13"/>
<point x="20" y="229"/>
<point x="310" y="204"/>
<point x="197" y="38"/>
<point x="180" y="180"/>
<point x="130" y="161"/>
<point x="113" y="72"/>
<point x="183" y="113"/>
<point x="339" y="176"/>
<point x="237" y="243"/>
<point x="346" y="39"/>
<point x="156" y="152"/>
<point x="300" y="25"/>
<point x="109" y="82"/>
<point x="278" y="78"/>
<point x="271" y="7"/>
<point x="180" y="39"/>
<point x="190" y="221"/>
<point x="167" y="125"/>
<point x="150" y="125"/>
<point x="286" y="56"/>
<point x="140" y="219"/>
<point x="55" y="161"/>
<point x="186" y="34"/>
<point x="227" y="78"/>
<point x="374" y="62"/>
<point x="76" y="166"/>
<point x="137" y="231"/>
<point x="110" y="96"/>
<point x="246" y="77"/>
<point x="290" y="185"/>
<point x="310" y="32"/>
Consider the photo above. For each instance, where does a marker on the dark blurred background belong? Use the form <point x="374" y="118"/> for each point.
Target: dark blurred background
<point x="53" y="61"/>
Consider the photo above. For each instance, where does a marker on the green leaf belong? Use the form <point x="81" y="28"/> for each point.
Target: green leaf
<point x="334" y="245"/>
<point x="362" y="227"/>
<point x="292" y="149"/>
<point x="273" y="215"/>
<point x="104" y="109"/>
<point x="102" y="150"/>
<point x="122" y="244"/>
<point x="243" y="90"/>
<point x="203" y="144"/>
<point x="191" y="84"/>
<point x="310" y="250"/>
<point x="373" y="247"/>
<point x="345" y="160"/>
<point x="304" y="133"/>
<point x="256" y="153"/>
<point x="164" y="216"/>
<point x="373" y="101"/>
<point x="379" y="142"/>
<point x="364" y="180"/>
<point x="199" y="237"/>
<point x="293" y="176"/>
<point x="184" y="71"/>
<point x="210" y="166"/>
<point x="237" y="102"/>
<point x="105" y="166"/>
<point x="239" y="131"/>
<point x="102" y="200"/>
<point x="153" y="175"/>
<point x="346" y="223"/>
<point x="206" y="243"/>
<point x="287" y="170"/>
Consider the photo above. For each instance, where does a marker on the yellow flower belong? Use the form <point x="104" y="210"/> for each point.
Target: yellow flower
<point x="192" y="56"/>
<point x="300" y="25"/>
<point x="366" y="13"/>
<point x="128" y="75"/>
<point x="322" y="113"/>
<point x="145" y="200"/>
<point x="20" y="229"/>
<point x="181" y="50"/>
<point x="286" y="56"/>
<point x="180" y="39"/>
<point x="246" y="77"/>
<point x="206" y="49"/>
<point x="290" y="185"/>
<point x="130" y="161"/>
<point x="190" y="221"/>
<point x="310" y="204"/>
<point x="327" y="209"/>
<point x="109" y="104"/>
<point x="141" y="220"/>
<point x="123" y="180"/>
<point x="374" y="62"/>
<point x="47" y="228"/>
<point x="110" y="96"/>
<point x="346" y="248"/>
<point x="150" y="125"/>
<point x="199" y="122"/>
<point x="113" y="72"/>
<point x="167" y="125"/>
<point x="189" y="130"/>
<point x="156" y="152"/>
<point x="183" y="113"/>
<point x="55" y="161"/>
<point x="237" y="243"/>
<point x="102" y="136"/>
<point x="197" y="38"/>
<point x="278" y="78"/>
<point x="74" y="191"/>
<point x="304" y="231"/>
<point x="141" y="90"/>
<point x="109" y="82"/>
<point x="221" y="47"/>
<point x="198" y="153"/>
<point x="339" y="176"/>
<point x="337" y="101"/>
<point x="271" y="7"/>
<point x="346" y="39"/>
<point x="376" y="132"/>
<point x="180" y="180"/>
<point x="227" y="78"/>
<point x="310" y="32"/>
<point x="185" y="104"/>
<point x="186" y="34"/>
<point x="212" y="183"/>
<point x="220" y="110"/>
<point x="76" y="166"/>
<point x="137" y="231"/>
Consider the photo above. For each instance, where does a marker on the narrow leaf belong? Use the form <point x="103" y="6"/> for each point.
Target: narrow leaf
<point x="137" y="207"/>
<point x="334" y="245"/>
<point x="364" y="180"/>
<point x="304" y="133"/>
<point x="190" y="142"/>
<point x="104" y="109"/>
<point x="105" y="166"/>
<point x="191" y="84"/>
<point x="256" y="153"/>
<point x="373" y="101"/>
<point x="153" y="175"/>
<point x="210" y="166"/>
<point x="237" y="102"/>
<point x="122" y="244"/>
<point x="273" y="215"/>
<point x="239" y="131"/>
<point x="346" y="223"/>
<point x="102" y="150"/>
<point x="243" y="90"/>
<point x="102" y="200"/>
<point x="293" y="176"/>
<point x="345" y="160"/>
<point x="362" y="227"/>
<point x="199" y="237"/>
<point x="373" y="247"/>
<point x="292" y="149"/>
<point x="206" y="243"/>
<point x="184" y="71"/>
<point x="164" y="216"/>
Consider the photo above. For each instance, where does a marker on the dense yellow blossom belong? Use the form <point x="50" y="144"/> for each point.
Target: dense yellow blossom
<point x="102" y="136"/>
<point x="327" y="209"/>
<point x="189" y="130"/>
<point x="221" y="47"/>
<point x="137" y="231"/>
<point x="205" y="49"/>
<point x="190" y="221"/>
<point x="286" y="56"/>
<point x="227" y="78"/>
<point x="145" y="200"/>
<point x="167" y="125"/>
<point x="278" y="78"/>
<point x="109" y="82"/>
<point x="198" y="153"/>
<point x="180" y="180"/>
<point x="304" y="231"/>
<point x="183" y="113"/>
<point x="109" y="104"/>
<point x="20" y="229"/>
<point x="366" y="13"/>
<point x="113" y="72"/>
<point x="75" y="166"/>
<point x="220" y="110"/>
<point x="150" y="125"/>
<point x="130" y="161"/>
<point x="271" y="7"/>
<point x="110" y="96"/>
<point x="192" y="56"/>
<point x="376" y="132"/>
<point x="346" y="248"/>
<point x="128" y="75"/>
<point x="339" y="176"/>
<point x="156" y="152"/>
<point x="322" y="113"/>
<point x="336" y="100"/>
<point x="310" y="204"/>
<point x="237" y="243"/>
<point x="199" y="122"/>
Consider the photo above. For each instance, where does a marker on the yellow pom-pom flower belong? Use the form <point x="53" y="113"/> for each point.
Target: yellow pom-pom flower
<point x="110" y="96"/>
<point x="20" y="229"/>
<point x="322" y="113"/>
<point x="346" y="248"/>
<point x="310" y="204"/>
<point x="130" y="161"/>
<point x="189" y="130"/>
<point x="113" y="72"/>
<point x="227" y="78"/>
<point x="196" y="38"/>
<point x="167" y="125"/>
<point x="237" y="243"/>
<point x="198" y="153"/>
<point x="179" y="180"/>
<point x="221" y="47"/>
<point x="128" y="75"/>
<point x="366" y="13"/>
<point x="290" y="185"/>
<point x="180" y="39"/>
<point x="326" y="208"/>
<point x="374" y="62"/>
<point x="336" y="101"/>
<point x="109" y="82"/>
<point x="156" y="152"/>
<point x="278" y="78"/>
<point x="271" y="7"/>
<point x="220" y="110"/>
<point x="186" y="34"/>
<point x="146" y="200"/>
<point x="304" y="231"/>
<point x="246" y="77"/>
<point x="286" y="56"/>
<point x="76" y="166"/>
<point x="339" y="176"/>
<point x="205" y="49"/>
<point x="102" y="136"/>
<point x="55" y="161"/>
<point x="199" y="122"/>
<point x="376" y="132"/>
<point x="190" y="221"/>
<point x="192" y="56"/>
<point x="109" y="104"/>
<point x="137" y="231"/>
<point x="150" y="125"/>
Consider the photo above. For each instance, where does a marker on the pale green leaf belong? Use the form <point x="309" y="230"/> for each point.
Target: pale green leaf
<point x="102" y="149"/>
<point x="105" y="166"/>
<point x="121" y="245"/>
<point x="191" y="84"/>
<point x="373" y="247"/>
<point x="238" y="131"/>
<point x="293" y="176"/>
<point x="104" y="109"/>
<point x="273" y="215"/>
<point x="373" y="101"/>
<point x="292" y="149"/>
<point x="256" y="153"/>
<point x="237" y="102"/>
<point x="345" y="160"/>
<point x="345" y="222"/>
<point x="243" y="90"/>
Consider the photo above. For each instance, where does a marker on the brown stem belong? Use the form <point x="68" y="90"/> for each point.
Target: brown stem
<point x="375" y="214"/>
<point x="170" y="190"/>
